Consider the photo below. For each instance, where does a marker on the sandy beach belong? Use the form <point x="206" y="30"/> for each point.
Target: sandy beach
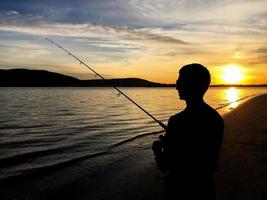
<point x="242" y="173"/>
<point x="243" y="165"/>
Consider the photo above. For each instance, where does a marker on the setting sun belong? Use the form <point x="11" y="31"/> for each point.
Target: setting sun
<point x="232" y="74"/>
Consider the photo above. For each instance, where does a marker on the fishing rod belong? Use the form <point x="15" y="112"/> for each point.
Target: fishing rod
<point x="99" y="75"/>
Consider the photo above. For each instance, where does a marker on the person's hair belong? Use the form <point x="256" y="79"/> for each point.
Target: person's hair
<point x="197" y="76"/>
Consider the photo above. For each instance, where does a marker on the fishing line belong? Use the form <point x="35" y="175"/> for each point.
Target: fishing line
<point x="108" y="82"/>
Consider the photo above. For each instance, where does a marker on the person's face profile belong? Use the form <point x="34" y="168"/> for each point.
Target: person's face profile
<point x="180" y="87"/>
<point x="184" y="86"/>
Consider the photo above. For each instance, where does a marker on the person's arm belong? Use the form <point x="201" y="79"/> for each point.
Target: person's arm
<point x="160" y="149"/>
<point x="219" y="141"/>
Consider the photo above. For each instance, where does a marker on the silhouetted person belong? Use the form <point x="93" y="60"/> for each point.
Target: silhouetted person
<point x="190" y="149"/>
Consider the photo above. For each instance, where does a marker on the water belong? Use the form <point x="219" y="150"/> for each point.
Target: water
<point x="51" y="128"/>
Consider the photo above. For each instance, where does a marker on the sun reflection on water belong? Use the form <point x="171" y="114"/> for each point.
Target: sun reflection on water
<point x="232" y="95"/>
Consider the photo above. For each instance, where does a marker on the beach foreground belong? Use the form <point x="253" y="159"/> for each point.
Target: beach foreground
<point x="242" y="170"/>
<point x="243" y="165"/>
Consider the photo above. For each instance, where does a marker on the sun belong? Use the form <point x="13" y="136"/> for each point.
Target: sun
<point x="232" y="74"/>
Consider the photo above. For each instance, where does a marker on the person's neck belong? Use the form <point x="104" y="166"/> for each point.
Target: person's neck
<point x="194" y="103"/>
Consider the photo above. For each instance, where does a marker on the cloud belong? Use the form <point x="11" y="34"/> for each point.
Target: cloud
<point x="14" y="17"/>
<point x="11" y="50"/>
<point x="146" y="35"/>
<point x="226" y="29"/>
<point x="240" y="17"/>
<point x="13" y="21"/>
<point x="262" y="50"/>
<point x="139" y="13"/>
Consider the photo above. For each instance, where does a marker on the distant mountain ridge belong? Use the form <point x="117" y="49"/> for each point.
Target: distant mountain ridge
<point x="43" y="78"/>
<point x="26" y="77"/>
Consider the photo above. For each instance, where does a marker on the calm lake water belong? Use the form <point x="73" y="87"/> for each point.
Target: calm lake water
<point x="50" y="128"/>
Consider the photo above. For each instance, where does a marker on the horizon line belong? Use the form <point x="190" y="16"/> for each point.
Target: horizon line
<point x="166" y="84"/>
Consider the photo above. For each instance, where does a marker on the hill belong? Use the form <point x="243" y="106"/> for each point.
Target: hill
<point x="42" y="78"/>
<point x="35" y="78"/>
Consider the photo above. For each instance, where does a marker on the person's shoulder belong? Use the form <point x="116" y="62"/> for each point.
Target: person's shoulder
<point x="214" y="114"/>
<point x="175" y="120"/>
<point x="177" y="116"/>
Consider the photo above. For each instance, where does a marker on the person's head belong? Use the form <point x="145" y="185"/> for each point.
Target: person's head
<point x="193" y="81"/>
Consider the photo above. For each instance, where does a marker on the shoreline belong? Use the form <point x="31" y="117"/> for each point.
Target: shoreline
<point x="240" y="176"/>
<point x="137" y="177"/>
<point x="243" y="164"/>
<point x="242" y="173"/>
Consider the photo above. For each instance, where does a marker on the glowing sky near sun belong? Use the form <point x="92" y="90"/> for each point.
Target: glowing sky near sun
<point x="149" y="39"/>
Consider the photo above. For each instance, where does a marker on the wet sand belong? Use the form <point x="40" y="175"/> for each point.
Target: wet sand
<point x="243" y="165"/>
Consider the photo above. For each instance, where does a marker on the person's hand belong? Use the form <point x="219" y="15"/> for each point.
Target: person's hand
<point x="162" y="138"/>
<point x="157" y="147"/>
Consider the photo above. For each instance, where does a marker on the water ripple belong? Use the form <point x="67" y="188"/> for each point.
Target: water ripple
<point x="75" y="124"/>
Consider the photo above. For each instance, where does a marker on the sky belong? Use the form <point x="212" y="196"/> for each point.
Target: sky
<point x="150" y="39"/>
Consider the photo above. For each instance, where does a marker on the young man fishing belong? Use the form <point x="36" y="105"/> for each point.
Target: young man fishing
<point x="190" y="149"/>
